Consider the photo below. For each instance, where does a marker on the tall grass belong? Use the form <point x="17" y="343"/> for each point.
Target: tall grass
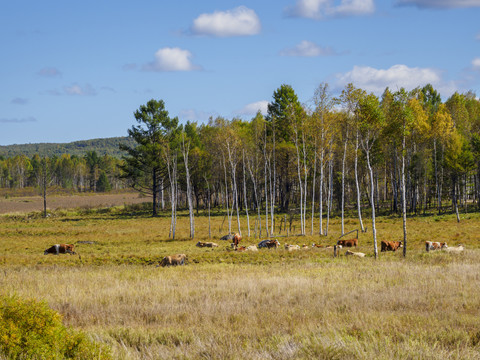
<point x="265" y="305"/>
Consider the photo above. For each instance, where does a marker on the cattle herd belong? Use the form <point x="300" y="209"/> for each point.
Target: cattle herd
<point x="180" y="259"/>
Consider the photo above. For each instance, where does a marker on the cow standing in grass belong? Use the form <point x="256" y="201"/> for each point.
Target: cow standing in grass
<point x="348" y="243"/>
<point x="435" y="245"/>
<point x="391" y="245"/>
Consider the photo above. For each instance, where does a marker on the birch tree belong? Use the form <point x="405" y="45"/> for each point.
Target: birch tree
<point x="185" y="152"/>
<point x="371" y="122"/>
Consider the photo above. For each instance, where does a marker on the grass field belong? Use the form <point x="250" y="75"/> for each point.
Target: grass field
<point x="29" y="201"/>
<point x="273" y="304"/>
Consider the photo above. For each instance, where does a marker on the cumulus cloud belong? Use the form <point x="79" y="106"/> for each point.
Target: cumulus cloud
<point x="74" y="90"/>
<point x="308" y="49"/>
<point x="320" y="9"/>
<point x="240" y="21"/>
<point x="19" y="101"/>
<point x="171" y="59"/>
<point x="17" y="120"/>
<point x="376" y="80"/>
<point x="476" y="63"/>
<point x="253" y="108"/>
<point x="50" y="72"/>
<point x="439" y="4"/>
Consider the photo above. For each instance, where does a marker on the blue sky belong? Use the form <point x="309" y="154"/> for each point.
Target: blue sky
<point x="74" y="70"/>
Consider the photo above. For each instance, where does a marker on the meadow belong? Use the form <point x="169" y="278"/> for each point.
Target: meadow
<point x="272" y="304"/>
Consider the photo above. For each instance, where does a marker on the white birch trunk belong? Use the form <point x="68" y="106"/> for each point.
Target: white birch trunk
<point x="245" y="193"/>
<point x="185" y="150"/>
<point x="313" y="186"/>
<point x="404" y="200"/>
<point x="357" y="184"/>
<point x="343" y="181"/>
<point x="321" y="192"/>
<point x="226" y="196"/>
<point x="299" y="180"/>
<point x="372" y="200"/>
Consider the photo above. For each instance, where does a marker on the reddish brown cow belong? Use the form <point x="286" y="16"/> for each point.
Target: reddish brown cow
<point x="236" y="239"/>
<point x="60" y="249"/>
<point x="391" y="245"/>
<point x="435" y="245"/>
<point x="348" y="243"/>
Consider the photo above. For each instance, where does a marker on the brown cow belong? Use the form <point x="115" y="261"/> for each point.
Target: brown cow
<point x="348" y="243"/>
<point x="240" y="248"/>
<point x="206" y="244"/>
<point x="60" y="249"/>
<point x="317" y="246"/>
<point x="236" y="239"/>
<point x="173" y="260"/>
<point x="435" y="245"/>
<point x="391" y="245"/>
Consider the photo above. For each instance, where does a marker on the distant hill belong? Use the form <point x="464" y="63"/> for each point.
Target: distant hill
<point x="107" y="146"/>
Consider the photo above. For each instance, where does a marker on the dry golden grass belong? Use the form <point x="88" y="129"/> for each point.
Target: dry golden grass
<point x="31" y="201"/>
<point x="266" y="305"/>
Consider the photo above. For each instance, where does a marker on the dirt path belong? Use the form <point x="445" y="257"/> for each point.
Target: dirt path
<point x="35" y="203"/>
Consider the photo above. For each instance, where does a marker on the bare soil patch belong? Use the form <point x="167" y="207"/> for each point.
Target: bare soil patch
<point x="27" y="204"/>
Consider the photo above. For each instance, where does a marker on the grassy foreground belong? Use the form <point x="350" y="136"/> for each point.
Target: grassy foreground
<point x="265" y="305"/>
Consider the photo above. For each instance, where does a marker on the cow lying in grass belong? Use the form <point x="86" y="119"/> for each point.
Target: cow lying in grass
<point x="292" y="247"/>
<point x="357" y="254"/>
<point x="206" y="244"/>
<point x="244" y="248"/>
<point x="60" y="249"/>
<point x="173" y="260"/>
<point x="455" y="249"/>
<point x="391" y="245"/>
<point x="268" y="244"/>
<point x="435" y="245"/>
<point x="348" y="243"/>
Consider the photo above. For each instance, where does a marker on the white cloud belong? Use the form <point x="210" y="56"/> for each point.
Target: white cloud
<point x="320" y="9"/>
<point x="307" y="49"/>
<point x="442" y="4"/>
<point x="253" y="108"/>
<point x="171" y="59"/>
<point x="74" y="90"/>
<point x="240" y="21"/>
<point x="476" y="63"/>
<point x="376" y="80"/>
<point x="78" y="90"/>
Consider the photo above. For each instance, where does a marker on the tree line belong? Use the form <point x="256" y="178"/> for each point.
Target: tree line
<point x="90" y="172"/>
<point x="404" y="152"/>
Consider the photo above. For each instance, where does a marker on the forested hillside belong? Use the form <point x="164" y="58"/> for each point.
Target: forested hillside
<point x="107" y="146"/>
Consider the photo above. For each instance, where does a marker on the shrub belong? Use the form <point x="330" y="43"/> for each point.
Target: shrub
<point x="31" y="330"/>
